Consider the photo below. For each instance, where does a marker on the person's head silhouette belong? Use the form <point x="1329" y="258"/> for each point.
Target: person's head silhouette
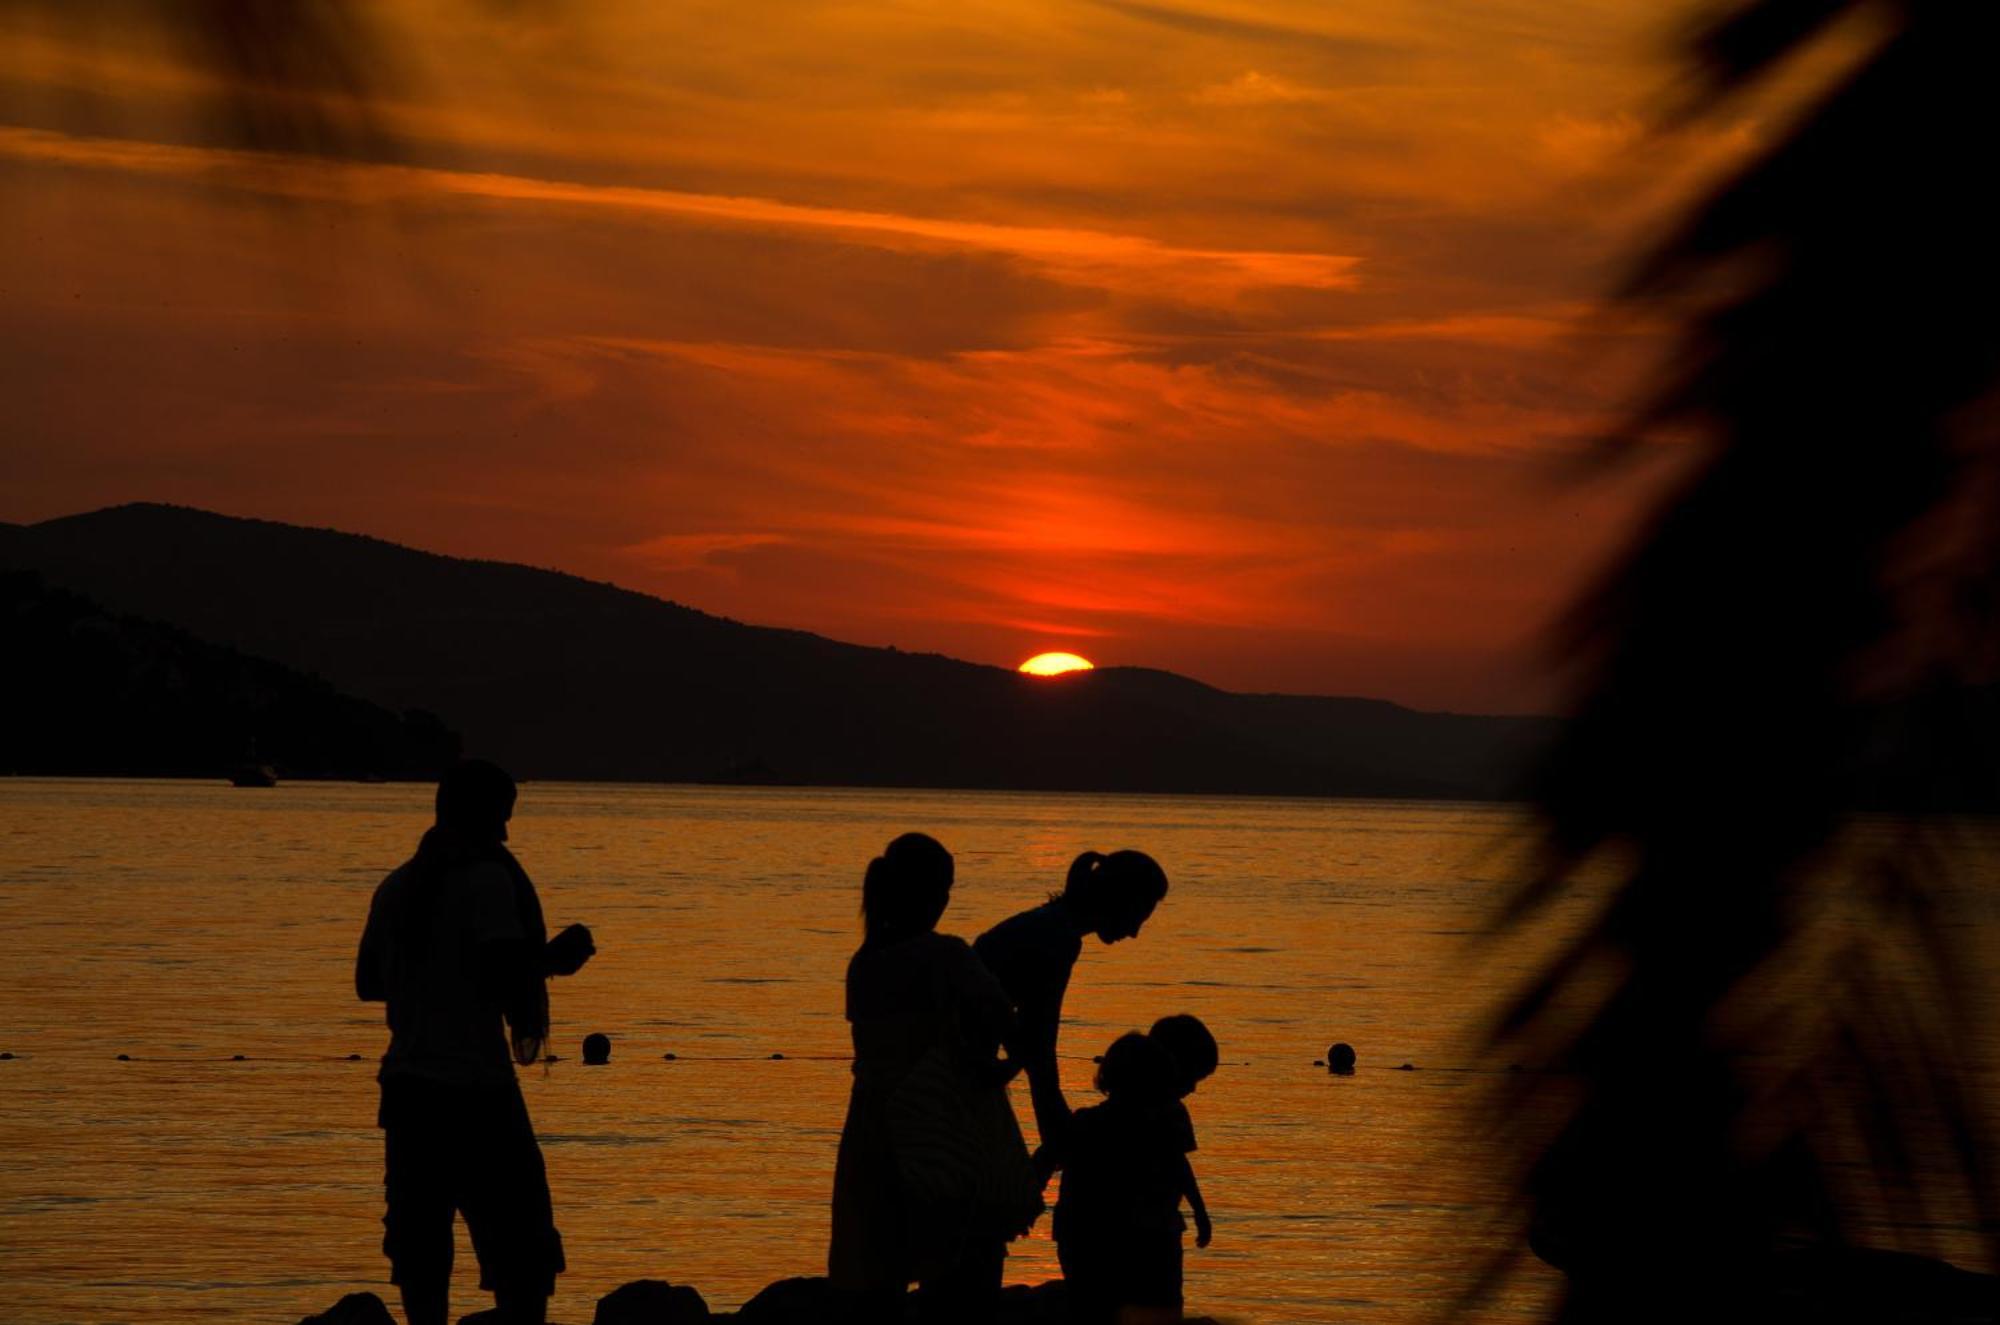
<point x="905" y="890"/>
<point x="1114" y="895"/>
<point x="1190" y="1046"/>
<point x="475" y="799"/>
<point x="1135" y="1069"/>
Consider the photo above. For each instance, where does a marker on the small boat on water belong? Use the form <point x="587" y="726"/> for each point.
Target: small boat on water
<point x="253" y="772"/>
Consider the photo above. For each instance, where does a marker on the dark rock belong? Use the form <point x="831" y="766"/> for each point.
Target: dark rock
<point x="354" y="1309"/>
<point x="650" y="1302"/>
<point x="1340" y="1058"/>
<point x="1019" y="1304"/>
<point x="1044" y="1304"/>
<point x="791" y="1302"/>
<point x="596" y="1053"/>
<point x="1859" y="1284"/>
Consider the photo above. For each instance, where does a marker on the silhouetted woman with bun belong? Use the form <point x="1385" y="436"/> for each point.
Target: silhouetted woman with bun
<point x="1032" y="954"/>
<point x="933" y="1177"/>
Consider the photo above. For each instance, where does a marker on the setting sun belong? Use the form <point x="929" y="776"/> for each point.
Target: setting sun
<point x="1055" y="664"/>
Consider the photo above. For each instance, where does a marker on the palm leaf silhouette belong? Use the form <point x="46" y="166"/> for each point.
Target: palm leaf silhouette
<point x="297" y="76"/>
<point x="1758" y="1049"/>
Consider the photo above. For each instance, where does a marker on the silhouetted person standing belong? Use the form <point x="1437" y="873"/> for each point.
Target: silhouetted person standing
<point x="933" y="1177"/>
<point x="456" y="943"/>
<point x="1033" y="953"/>
<point x="1118" y="1225"/>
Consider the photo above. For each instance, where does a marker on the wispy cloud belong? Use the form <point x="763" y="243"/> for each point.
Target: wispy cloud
<point x="1093" y="257"/>
<point x="684" y="552"/>
<point x="1251" y="88"/>
<point x="1236" y="27"/>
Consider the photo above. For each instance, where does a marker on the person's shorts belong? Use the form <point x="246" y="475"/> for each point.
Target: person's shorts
<point x="468" y="1150"/>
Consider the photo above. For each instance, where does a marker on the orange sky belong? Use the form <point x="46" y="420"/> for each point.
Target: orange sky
<point x="1239" y="339"/>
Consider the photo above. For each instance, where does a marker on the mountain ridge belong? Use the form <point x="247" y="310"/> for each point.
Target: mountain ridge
<point x="95" y="693"/>
<point x="562" y="676"/>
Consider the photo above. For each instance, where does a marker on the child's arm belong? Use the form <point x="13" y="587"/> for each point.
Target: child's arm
<point x="1053" y="1152"/>
<point x="1191" y="1189"/>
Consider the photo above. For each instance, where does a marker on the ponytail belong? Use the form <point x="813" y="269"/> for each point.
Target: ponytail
<point x="1083" y="875"/>
<point x="875" y="898"/>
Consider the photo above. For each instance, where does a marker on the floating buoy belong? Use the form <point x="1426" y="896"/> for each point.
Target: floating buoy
<point x="776" y="1056"/>
<point x="6" y="1057"/>
<point x="596" y="1049"/>
<point x="124" y="1058"/>
<point x="1407" y="1067"/>
<point x="670" y="1057"/>
<point x="238" y="1058"/>
<point x="1340" y="1058"/>
<point x="354" y="1058"/>
<point x="552" y="1058"/>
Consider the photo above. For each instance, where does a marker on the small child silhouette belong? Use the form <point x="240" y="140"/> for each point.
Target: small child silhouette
<point x="1118" y="1224"/>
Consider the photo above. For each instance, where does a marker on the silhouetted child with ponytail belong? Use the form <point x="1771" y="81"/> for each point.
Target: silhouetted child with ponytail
<point x="1118" y="1223"/>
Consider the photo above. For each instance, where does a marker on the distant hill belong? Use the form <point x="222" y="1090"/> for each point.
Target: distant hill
<point x="561" y="677"/>
<point x="88" y="691"/>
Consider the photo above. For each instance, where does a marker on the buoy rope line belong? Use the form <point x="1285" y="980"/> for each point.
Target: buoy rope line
<point x="671" y="1057"/>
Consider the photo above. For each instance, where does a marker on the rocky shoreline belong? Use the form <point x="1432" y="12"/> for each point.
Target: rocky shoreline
<point x="802" y="1301"/>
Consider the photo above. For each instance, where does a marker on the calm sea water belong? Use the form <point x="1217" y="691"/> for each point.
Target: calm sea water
<point x="184" y="924"/>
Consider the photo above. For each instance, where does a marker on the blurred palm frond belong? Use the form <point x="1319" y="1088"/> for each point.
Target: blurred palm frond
<point x="1758" y="1050"/>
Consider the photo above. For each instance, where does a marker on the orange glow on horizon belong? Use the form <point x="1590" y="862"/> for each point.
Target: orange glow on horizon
<point x="1056" y="664"/>
<point x="1241" y="334"/>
